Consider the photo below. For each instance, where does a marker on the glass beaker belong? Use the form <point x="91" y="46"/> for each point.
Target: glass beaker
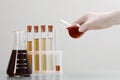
<point x="19" y="64"/>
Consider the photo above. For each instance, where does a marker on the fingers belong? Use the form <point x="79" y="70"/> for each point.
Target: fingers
<point x="81" y="20"/>
<point x="83" y="27"/>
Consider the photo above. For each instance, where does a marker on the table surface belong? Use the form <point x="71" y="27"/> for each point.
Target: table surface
<point x="66" y="76"/>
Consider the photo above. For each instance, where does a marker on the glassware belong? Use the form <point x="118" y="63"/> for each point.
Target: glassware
<point x="19" y="64"/>
<point x="50" y="45"/>
<point x="73" y="30"/>
<point x="29" y="44"/>
<point x="43" y="46"/>
<point x="36" y="48"/>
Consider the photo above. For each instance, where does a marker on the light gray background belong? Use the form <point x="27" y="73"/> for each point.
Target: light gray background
<point x="94" y="51"/>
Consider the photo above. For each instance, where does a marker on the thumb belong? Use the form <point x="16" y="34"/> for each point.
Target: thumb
<point x="83" y="27"/>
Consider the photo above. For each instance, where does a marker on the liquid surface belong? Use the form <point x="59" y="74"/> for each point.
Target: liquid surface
<point x="74" y="31"/>
<point x="19" y="64"/>
<point x="36" y="44"/>
<point x="29" y="45"/>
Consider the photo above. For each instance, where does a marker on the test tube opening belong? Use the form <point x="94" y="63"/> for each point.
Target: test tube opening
<point x="64" y="23"/>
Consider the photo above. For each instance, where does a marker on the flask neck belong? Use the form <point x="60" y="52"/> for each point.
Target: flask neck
<point x="19" y="41"/>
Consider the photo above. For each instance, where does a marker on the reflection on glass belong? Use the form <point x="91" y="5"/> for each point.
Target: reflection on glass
<point x="47" y="77"/>
<point x="19" y="78"/>
<point x="58" y="77"/>
<point x="38" y="77"/>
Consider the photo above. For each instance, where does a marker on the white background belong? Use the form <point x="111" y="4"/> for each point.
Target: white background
<point x="94" y="51"/>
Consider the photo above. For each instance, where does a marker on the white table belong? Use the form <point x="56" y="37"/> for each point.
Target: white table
<point x="66" y="76"/>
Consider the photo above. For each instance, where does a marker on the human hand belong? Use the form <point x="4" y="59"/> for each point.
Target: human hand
<point x="94" y="21"/>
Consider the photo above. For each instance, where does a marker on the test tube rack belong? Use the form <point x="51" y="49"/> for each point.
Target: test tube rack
<point x="56" y="65"/>
<point x="44" y="53"/>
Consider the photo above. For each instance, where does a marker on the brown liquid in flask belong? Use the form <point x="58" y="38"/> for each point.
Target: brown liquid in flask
<point x="19" y="64"/>
<point x="74" y="31"/>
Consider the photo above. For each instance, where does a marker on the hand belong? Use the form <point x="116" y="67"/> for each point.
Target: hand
<point x="94" y="21"/>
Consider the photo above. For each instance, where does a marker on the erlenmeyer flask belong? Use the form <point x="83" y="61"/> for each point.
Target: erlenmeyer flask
<point x="19" y="63"/>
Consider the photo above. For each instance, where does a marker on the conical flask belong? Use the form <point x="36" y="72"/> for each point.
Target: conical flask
<point x="19" y="63"/>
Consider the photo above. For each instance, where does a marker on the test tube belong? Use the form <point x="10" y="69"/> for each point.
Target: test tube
<point x="36" y="49"/>
<point x="43" y="47"/>
<point x="64" y="23"/>
<point x="58" y="62"/>
<point x="58" y="56"/>
<point x="50" y="48"/>
<point x="29" y="43"/>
